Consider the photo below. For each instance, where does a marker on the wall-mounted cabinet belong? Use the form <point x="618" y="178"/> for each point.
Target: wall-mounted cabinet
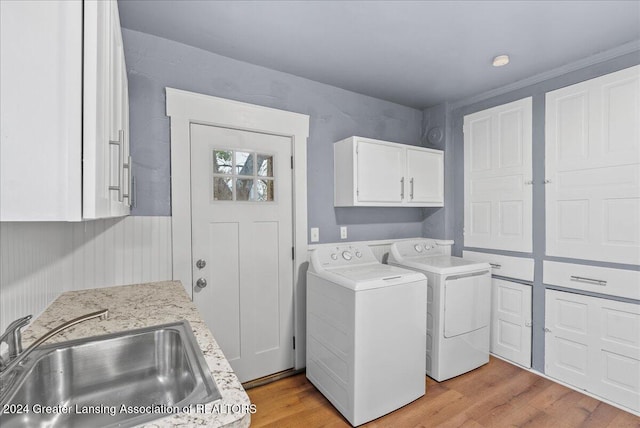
<point x="378" y="173"/>
<point x="498" y="177"/>
<point x="64" y="111"/>
<point x="592" y="168"/>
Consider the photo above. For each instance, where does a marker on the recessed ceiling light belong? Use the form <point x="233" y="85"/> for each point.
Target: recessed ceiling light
<point x="501" y="60"/>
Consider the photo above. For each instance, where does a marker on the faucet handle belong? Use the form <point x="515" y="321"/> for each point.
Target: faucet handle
<point x="13" y="337"/>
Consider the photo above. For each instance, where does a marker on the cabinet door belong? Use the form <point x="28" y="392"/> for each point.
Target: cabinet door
<point x="594" y="344"/>
<point x="497" y="178"/>
<point x="425" y="172"/>
<point x="119" y="113"/>
<point x="380" y="172"/>
<point x="592" y="167"/>
<point x="570" y="339"/>
<point x="511" y="321"/>
<point x="96" y="150"/>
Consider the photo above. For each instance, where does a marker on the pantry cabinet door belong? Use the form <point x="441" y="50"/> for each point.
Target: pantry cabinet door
<point x="511" y="321"/>
<point x="497" y="177"/>
<point x="425" y="172"/>
<point x="571" y="339"/>
<point x="592" y="167"/>
<point x="380" y="172"/>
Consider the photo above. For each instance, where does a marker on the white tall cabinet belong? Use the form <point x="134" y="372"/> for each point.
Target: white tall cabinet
<point x="498" y="177"/>
<point x="64" y="153"/>
<point x="592" y="167"/>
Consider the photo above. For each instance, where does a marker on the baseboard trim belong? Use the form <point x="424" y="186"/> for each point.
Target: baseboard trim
<point x="272" y="378"/>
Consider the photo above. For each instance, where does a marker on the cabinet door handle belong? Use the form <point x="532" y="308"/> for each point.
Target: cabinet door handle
<point x="495" y="265"/>
<point x="402" y="188"/>
<point x="592" y="280"/>
<point x="411" y="182"/>
<point x="129" y="169"/>
<point x="118" y="143"/>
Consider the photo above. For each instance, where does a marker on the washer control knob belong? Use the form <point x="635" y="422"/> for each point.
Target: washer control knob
<point x="418" y="248"/>
<point x="346" y="255"/>
<point x="201" y="283"/>
<point x="358" y="254"/>
<point x="334" y="256"/>
<point x="427" y="247"/>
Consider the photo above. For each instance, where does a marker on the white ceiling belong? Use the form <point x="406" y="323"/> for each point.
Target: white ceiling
<point x="416" y="53"/>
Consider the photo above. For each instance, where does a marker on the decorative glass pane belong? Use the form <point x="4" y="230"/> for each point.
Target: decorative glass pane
<point x="222" y="189"/>
<point x="243" y="189"/>
<point x="222" y="161"/>
<point x="265" y="165"/>
<point x="264" y="190"/>
<point x="244" y="163"/>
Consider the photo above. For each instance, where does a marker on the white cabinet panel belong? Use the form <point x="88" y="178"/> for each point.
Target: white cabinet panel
<point x="616" y="282"/>
<point x="60" y="169"/>
<point x="497" y="168"/>
<point x="592" y="166"/>
<point x="380" y="172"/>
<point x="371" y="172"/>
<point x="425" y="172"/>
<point x="511" y="321"/>
<point x="508" y="266"/>
<point x="594" y="344"/>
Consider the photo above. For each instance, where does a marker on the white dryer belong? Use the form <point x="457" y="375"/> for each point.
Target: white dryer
<point x="458" y="305"/>
<point x="365" y="332"/>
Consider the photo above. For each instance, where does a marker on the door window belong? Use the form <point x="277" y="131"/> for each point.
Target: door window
<point x="243" y="176"/>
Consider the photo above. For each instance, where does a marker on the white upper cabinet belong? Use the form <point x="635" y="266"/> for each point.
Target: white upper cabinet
<point x="498" y="177"/>
<point x="64" y="112"/>
<point x="371" y="172"/>
<point x="592" y="168"/>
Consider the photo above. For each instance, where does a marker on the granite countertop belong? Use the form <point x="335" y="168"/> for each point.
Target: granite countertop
<point x="144" y="305"/>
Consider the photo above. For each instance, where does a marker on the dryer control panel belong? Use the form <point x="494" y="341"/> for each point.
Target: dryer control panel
<point x="423" y="247"/>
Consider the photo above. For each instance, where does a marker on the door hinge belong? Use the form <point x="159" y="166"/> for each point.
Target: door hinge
<point x="293" y="253"/>
<point x="294" y="342"/>
<point x="291" y="162"/>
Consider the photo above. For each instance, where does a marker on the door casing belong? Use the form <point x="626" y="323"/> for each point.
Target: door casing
<point x="184" y="108"/>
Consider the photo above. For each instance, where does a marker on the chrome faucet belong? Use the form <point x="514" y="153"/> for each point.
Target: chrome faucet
<point x="12" y="337"/>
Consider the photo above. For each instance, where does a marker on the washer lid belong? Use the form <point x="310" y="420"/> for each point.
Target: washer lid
<point x="369" y="276"/>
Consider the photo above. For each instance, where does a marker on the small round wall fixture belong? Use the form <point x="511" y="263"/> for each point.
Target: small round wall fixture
<point x="501" y="60"/>
<point x="435" y="134"/>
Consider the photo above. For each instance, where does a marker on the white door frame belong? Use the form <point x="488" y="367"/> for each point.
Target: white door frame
<point x="184" y="108"/>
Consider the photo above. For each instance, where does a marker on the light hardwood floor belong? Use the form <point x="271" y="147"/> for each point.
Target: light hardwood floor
<point x="497" y="394"/>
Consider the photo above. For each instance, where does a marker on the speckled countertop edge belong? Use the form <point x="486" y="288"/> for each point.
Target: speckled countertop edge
<point x="144" y="305"/>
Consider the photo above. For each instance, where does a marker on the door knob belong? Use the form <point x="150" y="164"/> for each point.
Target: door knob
<point x="201" y="264"/>
<point x="201" y="283"/>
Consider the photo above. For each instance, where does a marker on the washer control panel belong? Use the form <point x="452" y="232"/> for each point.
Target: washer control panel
<point x="343" y="255"/>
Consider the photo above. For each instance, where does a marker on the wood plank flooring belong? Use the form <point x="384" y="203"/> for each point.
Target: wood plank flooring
<point x="497" y="394"/>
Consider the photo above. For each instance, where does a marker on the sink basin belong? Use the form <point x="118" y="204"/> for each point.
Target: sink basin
<point x="153" y="372"/>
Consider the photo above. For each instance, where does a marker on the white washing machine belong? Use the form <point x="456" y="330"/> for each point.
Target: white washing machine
<point x="458" y="305"/>
<point x="365" y="332"/>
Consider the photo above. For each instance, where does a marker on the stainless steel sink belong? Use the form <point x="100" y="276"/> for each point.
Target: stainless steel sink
<point x="153" y="372"/>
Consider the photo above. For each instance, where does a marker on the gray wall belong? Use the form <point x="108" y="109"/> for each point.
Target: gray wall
<point x="154" y="63"/>
<point x="454" y="228"/>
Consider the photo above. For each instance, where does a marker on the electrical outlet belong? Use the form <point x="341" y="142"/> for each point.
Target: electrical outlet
<point x="343" y="232"/>
<point x="315" y="234"/>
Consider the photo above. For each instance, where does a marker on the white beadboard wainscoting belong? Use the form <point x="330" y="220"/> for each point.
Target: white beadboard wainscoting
<point x="39" y="261"/>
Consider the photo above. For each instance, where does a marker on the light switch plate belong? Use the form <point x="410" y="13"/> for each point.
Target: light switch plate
<point x="315" y="234"/>
<point x="343" y="232"/>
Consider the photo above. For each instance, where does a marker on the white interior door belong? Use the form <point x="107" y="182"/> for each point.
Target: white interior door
<point x="241" y="186"/>
<point x="511" y="321"/>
